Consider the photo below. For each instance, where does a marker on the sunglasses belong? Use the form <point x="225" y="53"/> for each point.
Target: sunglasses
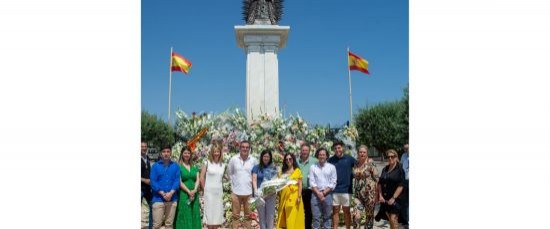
<point x="289" y="159"/>
<point x="392" y="156"/>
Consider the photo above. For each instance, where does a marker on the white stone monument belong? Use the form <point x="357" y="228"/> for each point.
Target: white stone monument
<point x="261" y="43"/>
<point x="261" y="38"/>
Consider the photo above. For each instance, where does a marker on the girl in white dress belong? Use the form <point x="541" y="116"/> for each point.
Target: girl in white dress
<point x="211" y="181"/>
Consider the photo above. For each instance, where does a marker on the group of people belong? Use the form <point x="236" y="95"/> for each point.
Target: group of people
<point x="324" y="186"/>
<point x="170" y="189"/>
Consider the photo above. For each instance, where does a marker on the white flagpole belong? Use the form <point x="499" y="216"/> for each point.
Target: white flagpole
<point x="170" y="85"/>
<point x="349" y="77"/>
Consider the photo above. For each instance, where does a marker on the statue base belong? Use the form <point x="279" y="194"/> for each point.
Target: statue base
<point x="261" y="44"/>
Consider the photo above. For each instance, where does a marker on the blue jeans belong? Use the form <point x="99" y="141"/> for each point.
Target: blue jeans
<point x="321" y="211"/>
<point x="267" y="213"/>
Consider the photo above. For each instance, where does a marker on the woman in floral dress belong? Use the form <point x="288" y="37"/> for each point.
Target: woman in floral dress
<point x="364" y="184"/>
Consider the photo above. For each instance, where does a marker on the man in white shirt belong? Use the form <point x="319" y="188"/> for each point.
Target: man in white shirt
<point x="240" y="172"/>
<point x="322" y="180"/>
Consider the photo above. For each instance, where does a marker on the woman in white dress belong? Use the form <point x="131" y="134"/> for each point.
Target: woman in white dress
<point x="211" y="181"/>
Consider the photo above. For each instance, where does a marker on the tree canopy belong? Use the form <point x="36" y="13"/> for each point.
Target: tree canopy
<point x="386" y="125"/>
<point x="155" y="131"/>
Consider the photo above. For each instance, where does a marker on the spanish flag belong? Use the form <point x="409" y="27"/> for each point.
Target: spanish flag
<point x="180" y="64"/>
<point x="357" y="63"/>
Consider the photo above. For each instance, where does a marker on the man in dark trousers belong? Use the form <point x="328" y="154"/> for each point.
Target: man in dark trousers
<point x="405" y="163"/>
<point x="304" y="163"/>
<point x="145" y="182"/>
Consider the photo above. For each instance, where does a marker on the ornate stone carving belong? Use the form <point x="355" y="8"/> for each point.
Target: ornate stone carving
<point x="262" y="11"/>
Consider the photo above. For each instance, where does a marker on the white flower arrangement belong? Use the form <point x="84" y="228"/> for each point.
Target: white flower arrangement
<point x="270" y="187"/>
<point x="231" y="127"/>
<point x="348" y="135"/>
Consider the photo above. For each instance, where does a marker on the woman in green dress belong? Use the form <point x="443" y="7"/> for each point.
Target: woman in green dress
<point x="188" y="214"/>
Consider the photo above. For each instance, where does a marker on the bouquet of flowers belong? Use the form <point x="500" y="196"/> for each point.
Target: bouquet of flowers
<point x="348" y="135"/>
<point x="270" y="187"/>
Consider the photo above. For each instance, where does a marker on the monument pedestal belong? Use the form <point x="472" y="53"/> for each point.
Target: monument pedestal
<point x="261" y="44"/>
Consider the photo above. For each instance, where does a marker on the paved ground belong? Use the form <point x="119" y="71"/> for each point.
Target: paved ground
<point x="382" y="224"/>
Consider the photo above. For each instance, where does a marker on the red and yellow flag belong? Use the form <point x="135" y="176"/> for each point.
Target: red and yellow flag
<point x="357" y="63"/>
<point x="180" y="64"/>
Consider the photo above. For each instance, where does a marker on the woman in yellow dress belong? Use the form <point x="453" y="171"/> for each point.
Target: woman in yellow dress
<point x="290" y="212"/>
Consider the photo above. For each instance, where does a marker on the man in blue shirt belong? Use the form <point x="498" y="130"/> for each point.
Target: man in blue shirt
<point x="165" y="182"/>
<point x="343" y="190"/>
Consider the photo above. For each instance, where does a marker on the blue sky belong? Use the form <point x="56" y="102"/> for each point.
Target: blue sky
<point x="313" y="76"/>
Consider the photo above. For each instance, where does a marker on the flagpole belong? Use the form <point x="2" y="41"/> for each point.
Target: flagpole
<point x="170" y="85"/>
<point x="350" y="101"/>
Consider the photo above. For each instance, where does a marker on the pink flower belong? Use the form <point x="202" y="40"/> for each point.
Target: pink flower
<point x="253" y="215"/>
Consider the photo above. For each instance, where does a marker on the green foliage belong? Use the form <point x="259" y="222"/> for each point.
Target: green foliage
<point x="405" y="101"/>
<point x="155" y="131"/>
<point x="385" y="125"/>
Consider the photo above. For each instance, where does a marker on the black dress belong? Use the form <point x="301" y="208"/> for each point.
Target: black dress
<point x="389" y="182"/>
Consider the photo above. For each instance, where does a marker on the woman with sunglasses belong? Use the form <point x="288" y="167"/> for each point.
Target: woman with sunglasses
<point x="290" y="212"/>
<point x="390" y="186"/>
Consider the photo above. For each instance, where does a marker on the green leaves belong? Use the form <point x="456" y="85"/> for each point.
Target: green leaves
<point x="386" y="125"/>
<point x="155" y="131"/>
